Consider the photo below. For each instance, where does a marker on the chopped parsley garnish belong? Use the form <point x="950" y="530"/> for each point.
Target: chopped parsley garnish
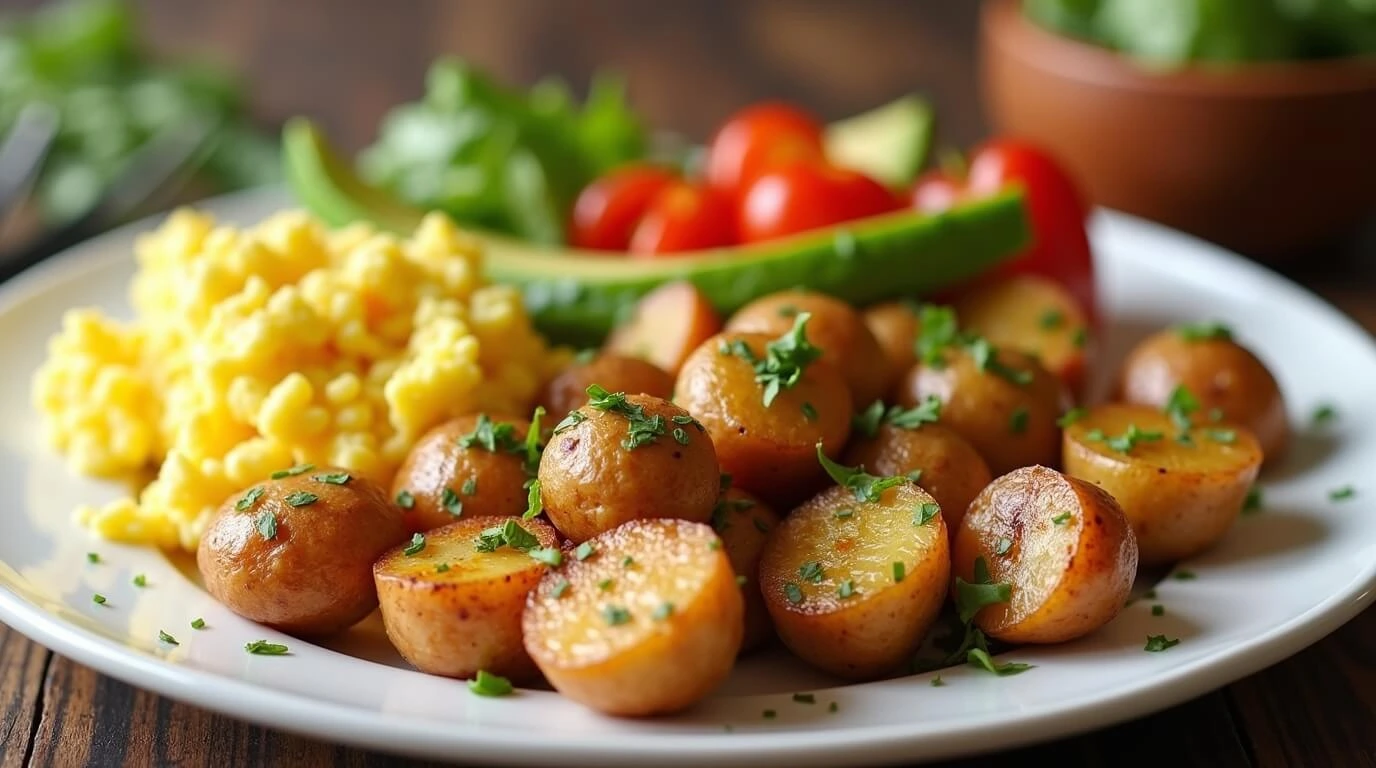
<point x="1061" y="519"/>
<point x="1002" y="546"/>
<point x="492" y="437"/>
<point x="509" y="533"/>
<point x="166" y="638"/>
<point x="978" y="657"/>
<point x="1181" y="406"/>
<point x="793" y="593"/>
<point x="487" y="684"/>
<point x="987" y="360"/>
<point x="937" y="332"/>
<point x="604" y="584"/>
<point x="1071" y="416"/>
<point x="663" y="611"/>
<point x="534" y="504"/>
<point x="442" y="568"/>
<point x="615" y="615"/>
<point x="971" y="597"/>
<point x="1252" y="504"/>
<point x="926" y="513"/>
<point x="1149" y="594"/>
<point x="139" y="580"/>
<point x="247" y="501"/>
<point x="1051" y="319"/>
<point x="1342" y="494"/>
<point x="416" y="545"/>
<point x="560" y="588"/>
<point x="1224" y="436"/>
<point x="267" y="524"/>
<point x="805" y="698"/>
<point x="1323" y="414"/>
<point x="741" y="580"/>
<point x="299" y="469"/>
<point x="809" y="413"/>
<point x="533" y="447"/>
<point x="469" y="487"/>
<point x="1017" y="421"/>
<point x="866" y="487"/>
<point x="899" y="571"/>
<point x="585" y="550"/>
<point x="569" y="422"/>
<point x="867" y="421"/>
<point x="98" y="599"/>
<point x="926" y="412"/>
<point x="937" y="682"/>
<point x="198" y="623"/>
<point x="93" y="558"/>
<point x="1209" y="330"/>
<point x="333" y="478"/>
<point x="846" y="589"/>
<point x="1125" y="442"/>
<point x="1158" y="610"/>
<point x="548" y="555"/>
<point x="1184" y="575"/>
<point x="405" y="500"/>
<point x="264" y="648"/>
<point x="1079" y="338"/>
<point x="811" y="571"/>
<point x="784" y="361"/>
<point x="641" y="429"/>
<point x="1158" y="643"/>
<point x="300" y="498"/>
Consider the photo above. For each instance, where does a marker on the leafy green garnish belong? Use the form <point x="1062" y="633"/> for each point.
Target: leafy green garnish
<point x="899" y="571"/>
<point x="793" y="593"/>
<point x="987" y="359"/>
<point x="299" y="469"/>
<point x="640" y="429"/>
<point x="493" y="437"/>
<point x="846" y="589"/>
<point x="1342" y="493"/>
<point x="663" y="611"/>
<point x="533" y="446"/>
<point x="584" y="551"/>
<point x="1071" y="416"/>
<point x="811" y="571"/>
<point x="534" y="504"/>
<point x="98" y="599"/>
<point x="510" y="534"/>
<point x="1017" y="421"/>
<point x="1180" y="406"/>
<point x="417" y="544"/>
<point x="166" y="638"/>
<point x="938" y="332"/>
<point x="1051" y="319"/>
<point x="1061" y="519"/>
<point x="1252" y="504"/>
<point x="1209" y="330"/>
<point x="785" y="359"/>
<point x="1323" y="414"/>
<point x="615" y="615"/>
<point x="451" y="502"/>
<point x="971" y="597"/>
<point x="569" y="422"/>
<point x="300" y="498"/>
<point x="405" y="499"/>
<point x="1125" y="442"/>
<point x="927" y="412"/>
<point x="264" y="648"/>
<point x="978" y="657"/>
<point x="93" y="558"/>
<point x="267" y="524"/>
<point x="1158" y="643"/>
<point x="926" y="513"/>
<point x="487" y="684"/>
<point x="866" y="487"/>
<point x="250" y="498"/>
<point x="333" y="478"/>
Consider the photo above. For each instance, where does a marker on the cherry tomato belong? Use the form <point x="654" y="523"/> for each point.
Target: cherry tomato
<point x="607" y="210"/>
<point x="759" y="138"/>
<point x="684" y="217"/>
<point x="808" y="195"/>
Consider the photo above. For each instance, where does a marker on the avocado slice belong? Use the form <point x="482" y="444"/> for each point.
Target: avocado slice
<point x="576" y="297"/>
<point x="889" y="143"/>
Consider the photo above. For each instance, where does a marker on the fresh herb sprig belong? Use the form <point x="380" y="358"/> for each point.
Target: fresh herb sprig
<point x="865" y="486"/>
<point x="785" y="358"/>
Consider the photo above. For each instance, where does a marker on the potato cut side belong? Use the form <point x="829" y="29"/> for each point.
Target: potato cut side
<point x="853" y="586"/>
<point x="648" y="622"/>
<point x="668" y="324"/>
<point x="1063" y="547"/>
<point x="451" y="608"/>
<point x="1181" y="491"/>
<point x="743" y="522"/>
<point x="1034" y="315"/>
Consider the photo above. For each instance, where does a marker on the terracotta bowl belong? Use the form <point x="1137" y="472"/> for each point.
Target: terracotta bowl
<point x="1267" y="159"/>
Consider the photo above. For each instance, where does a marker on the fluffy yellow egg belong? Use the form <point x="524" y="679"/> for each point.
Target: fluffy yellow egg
<point x="252" y="350"/>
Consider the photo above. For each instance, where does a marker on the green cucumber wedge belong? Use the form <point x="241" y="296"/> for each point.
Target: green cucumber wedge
<point x="889" y="143"/>
<point x="576" y="297"/>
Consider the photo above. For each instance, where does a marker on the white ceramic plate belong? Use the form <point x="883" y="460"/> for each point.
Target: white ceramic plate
<point x="1282" y="579"/>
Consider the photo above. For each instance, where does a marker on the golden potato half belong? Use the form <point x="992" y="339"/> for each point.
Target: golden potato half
<point x="452" y="604"/>
<point x="853" y="586"/>
<point x="648" y="622"/>
<point x="1181" y="494"/>
<point x="743" y="522"/>
<point x="895" y="326"/>
<point x="1063" y="546"/>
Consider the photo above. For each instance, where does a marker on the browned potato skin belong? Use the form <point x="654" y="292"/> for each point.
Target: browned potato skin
<point x="743" y="522"/>
<point x="590" y="483"/>
<point x="1092" y="584"/>
<point x="835" y="327"/>
<point x="437" y="462"/>
<point x="869" y="635"/>
<point x="615" y="373"/>
<point x="1176" y="510"/>
<point x="770" y="452"/>
<point x="316" y="576"/>
<point x="662" y="668"/>
<point x="1221" y="374"/>
<point x="443" y="625"/>
<point x="895" y="326"/>
<point x="953" y="472"/>
<point x="979" y="405"/>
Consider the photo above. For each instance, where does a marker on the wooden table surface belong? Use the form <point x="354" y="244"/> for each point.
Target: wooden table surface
<point x="346" y="61"/>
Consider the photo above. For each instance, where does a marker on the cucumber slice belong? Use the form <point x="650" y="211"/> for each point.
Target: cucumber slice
<point x="889" y="143"/>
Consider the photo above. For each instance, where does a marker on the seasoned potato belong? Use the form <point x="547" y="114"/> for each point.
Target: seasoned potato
<point x="1221" y="373"/>
<point x="952" y="470"/>
<point x="669" y="323"/>
<point x="769" y="450"/>
<point x="569" y="390"/>
<point x="895" y="326"/>
<point x="1181" y="494"/>
<point x="1011" y="423"/>
<point x="1035" y="315"/>
<point x="853" y="586"/>
<point x="623" y="458"/>
<point x="649" y="623"/>
<point x="453" y="606"/>
<point x="743" y="522"/>
<point x="472" y="465"/>
<point x="296" y="552"/>
<point x="1064" y="547"/>
<point x="836" y="328"/>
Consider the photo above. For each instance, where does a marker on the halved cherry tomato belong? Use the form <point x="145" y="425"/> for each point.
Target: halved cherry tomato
<point x="758" y="138"/>
<point x="808" y="195"/>
<point x="607" y="210"/>
<point x="684" y="217"/>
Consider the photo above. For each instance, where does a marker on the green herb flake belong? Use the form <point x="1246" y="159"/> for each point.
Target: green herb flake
<point x="1079" y="338"/>
<point x="785" y="360"/>
<point x="560" y="588"/>
<point x="793" y="594"/>
<point x="1209" y="330"/>
<point x="93" y="558"/>
<point x="846" y="589"/>
<point x="416" y="545"/>
<point x="300" y="498"/>
<point x="533" y="448"/>
<point x="987" y="360"/>
<point x="405" y="500"/>
<point x="833" y="707"/>
<point x="469" y="487"/>
<point x="1149" y="594"/>
<point x="166" y="638"/>
<point x="937" y="332"/>
<point x="805" y="698"/>
<point x="926" y="513"/>
<point x="267" y="524"/>
<point x="662" y="612"/>
<point x="867" y="421"/>
<point x="1125" y="442"/>
<point x="98" y="599"/>
<point x="605" y="585"/>
<point x="1061" y="519"/>
<point x="864" y="486"/>
<point x="811" y="571"/>
<point x="299" y="469"/>
<point x="809" y="412"/>
<point x="1223" y="436"/>
<point x="1252" y="504"/>
<point x="615" y="615"/>
<point x="1184" y="575"/>
<point x="1180" y="407"/>
<point x="971" y="597"/>
<point x="569" y="422"/>
<point x="937" y="682"/>
<point x="1158" y="643"/>
<point x="493" y="437"/>
<point x="139" y="580"/>
<point x="926" y="412"/>
<point x="1323" y="414"/>
<point x="1071" y="416"/>
<point x="1342" y="493"/>
<point x="1051" y="319"/>
<point x="442" y="568"/>
<point x="250" y="498"/>
<point x="980" y="658"/>
<point x="680" y="436"/>
<point x="1017" y="421"/>
<point x="548" y="555"/>
<point x="198" y="623"/>
<point x="534" y="503"/>
<point x="487" y="684"/>
<point x="584" y="551"/>
<point x="264" y="648"/>
<point x="899" y="571"/>
<point x="1158" y="610"/>
<point x="641" y="430"/>
<point x="333" y="478"/>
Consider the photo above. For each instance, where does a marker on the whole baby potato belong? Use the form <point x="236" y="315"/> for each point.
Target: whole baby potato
<point x="615" y="373"/>
<point x="296" y="552"/>
<point x="471" y="466"/>
<point x="951" y="470"/>
<point x="627" y="457"/>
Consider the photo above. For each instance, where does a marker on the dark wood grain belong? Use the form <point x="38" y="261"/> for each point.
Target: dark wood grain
<point x="21" y="680"/>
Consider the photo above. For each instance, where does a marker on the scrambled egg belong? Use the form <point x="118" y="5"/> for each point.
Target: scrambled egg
<point x="254" y="350"/>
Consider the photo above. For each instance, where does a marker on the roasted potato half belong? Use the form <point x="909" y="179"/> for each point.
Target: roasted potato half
<point x="452" y="602"/>
<point x="743" y="522"/>
<point x="836" y="328"/>
<point x="1007" y="408"/>
<point x="1062" y="545"/>
<point x="1221" y="373"/>
<point x="895" y="326"/>
<point x="852" y="585"/>
<point x="470" y="465"/>
<point x="1034" y="315"/>
<point x="616" y="373"/>
<point x="296" y="552"/>
<point x="1180" y="492"/>
<point x="623" y="458"/>
<point x="648" y="622"/>
<point x="669" y="323"/>
<point x="769" y="450"/>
